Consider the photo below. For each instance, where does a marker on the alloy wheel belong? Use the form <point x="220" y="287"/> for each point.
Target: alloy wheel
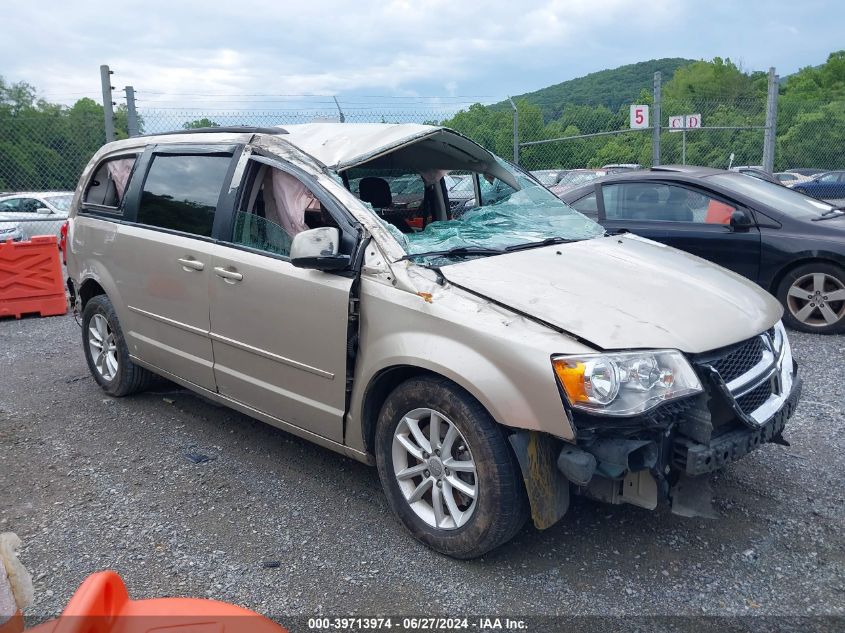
<point x="102" y="346"/>
<point x="434" y="468"/>
<point x="817" y="299"/>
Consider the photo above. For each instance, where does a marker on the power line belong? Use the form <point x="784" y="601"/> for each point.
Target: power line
<point x="269" y="94"/>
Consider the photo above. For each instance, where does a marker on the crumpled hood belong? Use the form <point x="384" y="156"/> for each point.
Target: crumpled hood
<point x="624" y="292"/>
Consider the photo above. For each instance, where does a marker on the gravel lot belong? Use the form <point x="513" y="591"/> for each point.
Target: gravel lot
<point x="91" y="482"/>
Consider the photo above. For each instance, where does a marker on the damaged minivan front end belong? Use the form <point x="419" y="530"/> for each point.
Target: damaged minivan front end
<point x="677" y="386"/>
<point x="694" y="414"/>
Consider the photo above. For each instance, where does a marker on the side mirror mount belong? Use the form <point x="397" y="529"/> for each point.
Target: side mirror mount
<point x="43" y="211"/>
<point x="740" y="220"/>
<point x="317" y="249"/>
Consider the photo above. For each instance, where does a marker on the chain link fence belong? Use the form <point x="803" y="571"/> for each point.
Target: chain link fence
<point x="47" y="150"/>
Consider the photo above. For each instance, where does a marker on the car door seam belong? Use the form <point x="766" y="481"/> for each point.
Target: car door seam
<point x="185" y="326"/>
<point x="272" y="356"/>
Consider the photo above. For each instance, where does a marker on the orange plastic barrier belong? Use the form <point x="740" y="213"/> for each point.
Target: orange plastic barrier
<point x="102" y="605"/>
<point x="13" y="624"/>
<point x="31" y="278"/>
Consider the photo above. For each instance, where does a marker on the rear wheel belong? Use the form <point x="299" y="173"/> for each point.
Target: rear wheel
<point x="106" y="351"/>
<point x="813" y="296"/>
<point x="447" y="469"/>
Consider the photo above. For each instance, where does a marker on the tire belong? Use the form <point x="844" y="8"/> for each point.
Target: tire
<point x="813" y="298"/>
<point x="468" y="527"/>
<point x="118" y="376"/>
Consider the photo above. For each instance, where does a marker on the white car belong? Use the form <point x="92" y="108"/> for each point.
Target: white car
<point x="33" y="213"/>
<point x="790" y="179"/>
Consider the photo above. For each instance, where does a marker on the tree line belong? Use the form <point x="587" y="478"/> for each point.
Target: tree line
<point x="810" y="122"/>
<point x="45" y="145"/>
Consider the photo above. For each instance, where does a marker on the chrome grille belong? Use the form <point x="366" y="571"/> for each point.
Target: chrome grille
<point x="755" y="398"/>
<point x="741" y="360"/>
<point x="757" y="374"/>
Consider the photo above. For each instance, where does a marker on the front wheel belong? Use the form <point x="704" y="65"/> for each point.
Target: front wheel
<point x="813" y="297"/>
<point x="447" y="469"/>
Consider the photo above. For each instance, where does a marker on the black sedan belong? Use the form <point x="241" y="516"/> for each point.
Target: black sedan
<point x="789" y="243"/>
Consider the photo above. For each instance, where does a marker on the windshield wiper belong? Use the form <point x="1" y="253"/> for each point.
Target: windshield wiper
<point x="546" y="242"/>
<point x="458" y="251"/>
<point x="833" y="212"/>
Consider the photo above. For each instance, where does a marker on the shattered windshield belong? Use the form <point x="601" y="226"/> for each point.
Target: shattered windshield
<point x="506" y="217"/>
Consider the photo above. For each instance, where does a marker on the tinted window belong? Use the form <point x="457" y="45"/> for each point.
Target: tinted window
<point x="660" y="202"/>
<point x="180" y="192"/>
<point x="783" y="199"/>
<point x="587" y="205"/>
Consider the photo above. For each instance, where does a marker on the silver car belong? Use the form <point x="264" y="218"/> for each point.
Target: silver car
<point x="34" y="213"/>
<point x="490" y="365"/>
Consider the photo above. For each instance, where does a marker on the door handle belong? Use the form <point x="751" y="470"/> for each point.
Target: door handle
<point x="189" y="264"/>
<point x="230" y="276"/>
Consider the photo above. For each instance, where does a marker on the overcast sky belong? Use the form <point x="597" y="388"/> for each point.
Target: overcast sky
<point x="202" y="54"/>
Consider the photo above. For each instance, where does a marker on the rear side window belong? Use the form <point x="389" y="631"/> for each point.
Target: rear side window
<point x="107" y="186"/>
<point x="588" y="205"/>
<point x="181" y="192"/>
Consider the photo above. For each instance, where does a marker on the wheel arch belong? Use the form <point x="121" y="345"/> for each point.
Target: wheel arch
<point x="810" y="259"/>
<point x="384" y="381"/>
<point x="89" y="289"/>
<point x="377" y="391"/>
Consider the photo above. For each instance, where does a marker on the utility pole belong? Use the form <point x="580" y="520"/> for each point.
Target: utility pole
<point x="108" y="110"/>
<point x="771" y="123"/>
<point x="515" y="132"/>
<point x="339" y="111"/>
<point x="655" y="132"/>
<point x="131" y="112"/>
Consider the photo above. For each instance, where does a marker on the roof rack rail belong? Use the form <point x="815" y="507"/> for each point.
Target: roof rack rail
<point x="246" y="129"/>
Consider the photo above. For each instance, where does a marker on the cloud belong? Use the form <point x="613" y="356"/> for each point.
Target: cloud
<point x="189" y="53"/>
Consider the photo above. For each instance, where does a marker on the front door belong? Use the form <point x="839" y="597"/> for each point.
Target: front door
<point x="686" y="218"/>
<point x="279" y="333"/>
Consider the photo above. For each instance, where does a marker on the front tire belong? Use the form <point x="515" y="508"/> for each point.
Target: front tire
<point x="106" y="351"/>
<point x="813" y="297"/>
<point x="447" y="469"/>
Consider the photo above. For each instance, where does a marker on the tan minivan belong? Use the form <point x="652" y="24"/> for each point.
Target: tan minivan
<point x="491" y="358"/>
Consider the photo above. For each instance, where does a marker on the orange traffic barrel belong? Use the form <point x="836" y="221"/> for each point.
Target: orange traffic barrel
<point x="102" y="605"/>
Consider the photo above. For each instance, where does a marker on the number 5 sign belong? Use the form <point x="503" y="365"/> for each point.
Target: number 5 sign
<point x="639" y="116"/>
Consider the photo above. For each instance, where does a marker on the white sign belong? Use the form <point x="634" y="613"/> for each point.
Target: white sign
<point x="639" y="117"/>
<point x="684" y="122"/>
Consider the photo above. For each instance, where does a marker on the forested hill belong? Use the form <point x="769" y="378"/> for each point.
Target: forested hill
<point x="610" y="88"/>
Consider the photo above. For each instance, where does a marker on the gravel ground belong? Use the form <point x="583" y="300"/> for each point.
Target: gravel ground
<point x="90" y="482"/>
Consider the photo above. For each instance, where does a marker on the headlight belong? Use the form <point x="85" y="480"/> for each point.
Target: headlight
<point x="9" y="229"/>
<point x="625" y="383"/>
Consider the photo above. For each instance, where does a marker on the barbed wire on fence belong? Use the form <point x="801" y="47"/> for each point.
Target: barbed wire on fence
<point x="49" y="151"/>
